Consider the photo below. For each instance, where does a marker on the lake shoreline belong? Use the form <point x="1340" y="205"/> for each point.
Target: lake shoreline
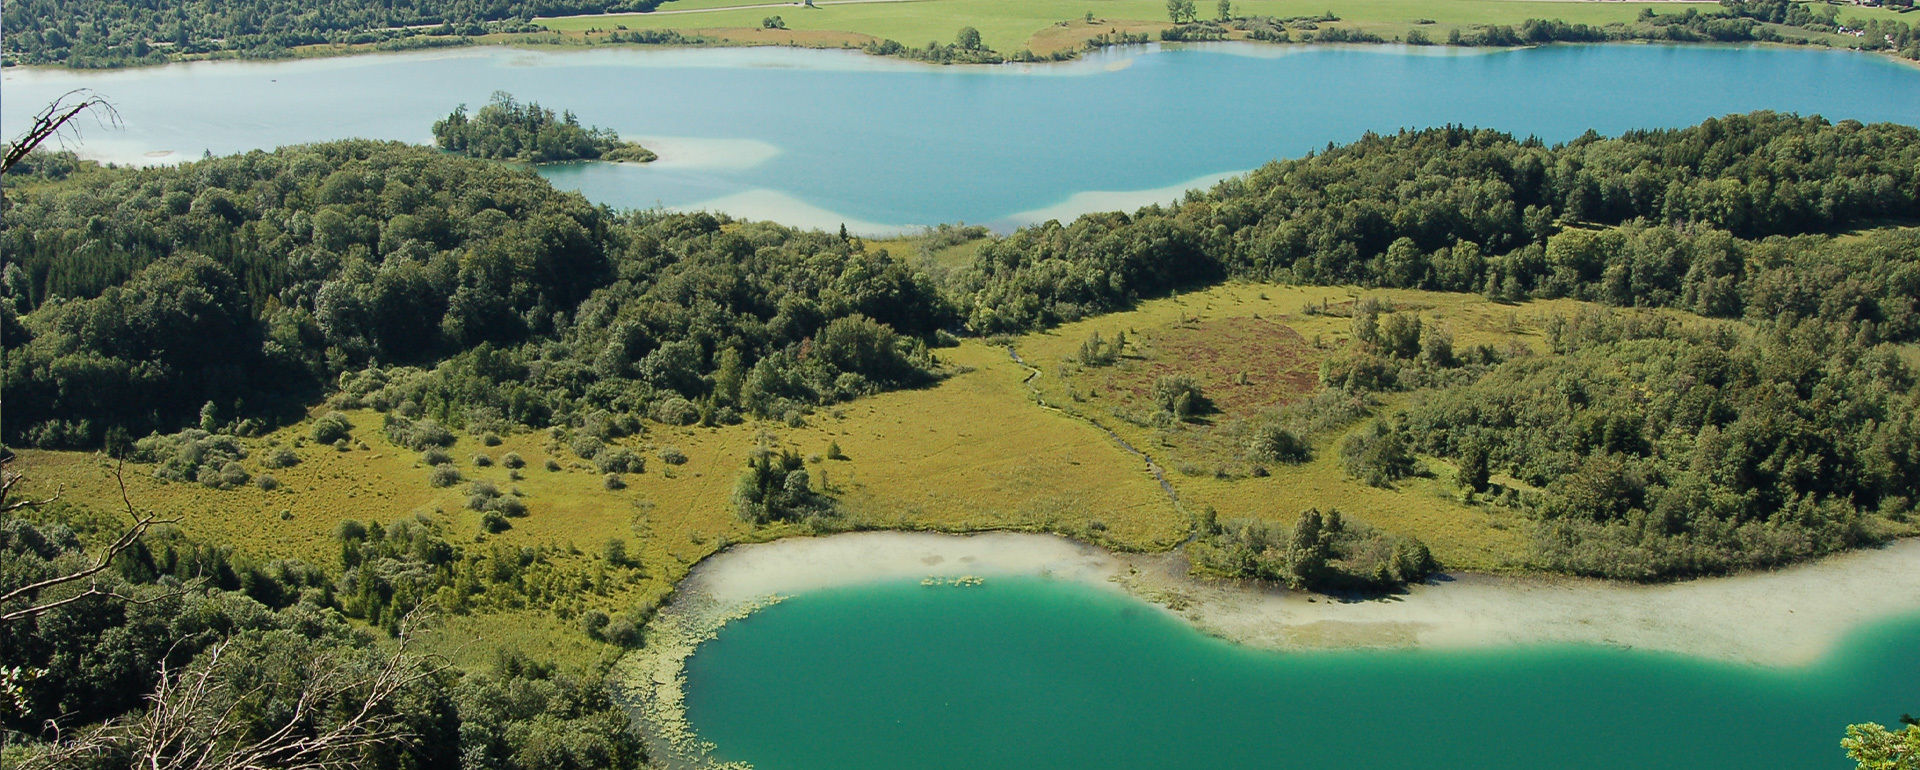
<point x="1786" y="618"/>
<point x="536" y="42"/>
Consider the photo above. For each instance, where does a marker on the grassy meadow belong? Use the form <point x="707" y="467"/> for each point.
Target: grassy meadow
<point x="1045" y="26"/>
<point x="989" y="447"/>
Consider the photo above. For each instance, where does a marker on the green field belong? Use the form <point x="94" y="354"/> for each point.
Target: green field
<point x="978" y="451"/>
<point x="1013" y="25"/>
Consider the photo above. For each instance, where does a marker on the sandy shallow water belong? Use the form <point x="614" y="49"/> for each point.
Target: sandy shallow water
<point x="1788" y="617"/>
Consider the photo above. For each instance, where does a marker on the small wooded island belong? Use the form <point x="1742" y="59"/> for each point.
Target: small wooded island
<point x="529" y="133"/>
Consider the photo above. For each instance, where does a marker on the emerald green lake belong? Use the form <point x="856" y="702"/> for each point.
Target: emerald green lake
<point x="1031" y="673"/>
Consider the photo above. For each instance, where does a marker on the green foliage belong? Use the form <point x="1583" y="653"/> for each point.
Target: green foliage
<point x="512" y="460"/>
<point x="1273" y="443"/>
<point x="773" y="22"/>
<point x="1661" y="452"/>
<point x="331" y="427"/>
<point x="280" y="457"/>
<point x="1378" y="455"/>
<point x="508" y="130"/>
<point x="776" y="487"/>
<point x="430" y="287"/>
<point x="97" y="657"/>
<point x="1179" y="395"/>
<point x="1322" y="552"/>
<point x="1097" y="351"/>
<point x="443" y="475"/>
<point x="672" y="455"/>
<point x="620" y="460"/>
<point x="114" y="33"/>
<point x="195" y="455"/>
<point x="950" y="53"/>
<point x="1454" y="209"/>
<point x="969" y="39"/>
<point x="1875" y="747"/>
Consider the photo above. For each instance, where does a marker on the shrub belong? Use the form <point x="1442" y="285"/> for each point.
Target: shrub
<point x="676" y="411"/>
<point x="615" y="483"/>
<point x="672" y="456"/>
<point x="621" y="460"/>
<point x="267" y="482"/>
<point x="594" y="622"/>
<point x="443" y="475"/>
<point x="331" y="427"/>
<point x="616" y="552"/>
<point x="281" y="458"/>
<point x="482" y="461"/>
<point x="512" y="460"/>
<point x="776" y="487"/>
<point x="435" y="456"/>
<point x="1272" y="443"/>
<point x="417" y="434"/>
<point x="494" y="522"/>
<point x="231" y="474"/>
<point x="552" y="464"/>
<point x="490" y="439"/>
<point x="623" y="631"/>
<point x="833" y="451"/>
<point x="1180" y="396"/>
<point x="1378" y="455"/>
<point x="507" y="505"/>
<point x="587" y="447"/>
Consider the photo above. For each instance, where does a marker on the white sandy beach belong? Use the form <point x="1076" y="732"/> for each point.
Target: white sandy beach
<point x="1788" y="617"/>
<point x="1784" y="618"/>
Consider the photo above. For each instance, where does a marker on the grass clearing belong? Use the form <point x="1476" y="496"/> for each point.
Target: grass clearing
<point x="973" y="452"/>
<point x="1009" y="26"/>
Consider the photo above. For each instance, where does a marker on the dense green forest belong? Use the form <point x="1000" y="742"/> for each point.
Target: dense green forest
<point x="113" y="33"/>
<point x="276" y="648"/>
<point x="224" y="292"/>
<point x="1809" y="422"/>
<point x="228" y="293"/>
<point x="507" y="130"/>
<point x="1477" y="210"/>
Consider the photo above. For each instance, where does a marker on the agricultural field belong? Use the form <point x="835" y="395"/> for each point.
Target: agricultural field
<point x="1047" y="26"/>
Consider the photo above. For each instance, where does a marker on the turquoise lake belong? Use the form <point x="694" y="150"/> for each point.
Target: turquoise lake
<point x="1029" y="673"/>
<point x="816" y="138"/>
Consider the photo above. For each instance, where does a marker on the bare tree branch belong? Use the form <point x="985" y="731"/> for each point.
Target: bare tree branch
<point x="142" y="521"/>
<point x="55" y="117"/>
<point x="193" y="717"/>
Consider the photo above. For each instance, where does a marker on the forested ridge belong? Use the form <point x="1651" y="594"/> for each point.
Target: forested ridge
<point x="109" y="33"/>
<point x="1791" y="439"/>
<point x="160" y="312"/>
<point x="228" y="293"/>
<point x="1477" y="210"/>
<point x="454" y="288"/>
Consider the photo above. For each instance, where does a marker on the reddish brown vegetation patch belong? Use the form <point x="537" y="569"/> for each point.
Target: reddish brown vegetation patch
<point x="1242" y="364"/>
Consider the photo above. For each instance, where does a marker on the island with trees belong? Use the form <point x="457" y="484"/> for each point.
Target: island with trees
<point x="505" y="129"/>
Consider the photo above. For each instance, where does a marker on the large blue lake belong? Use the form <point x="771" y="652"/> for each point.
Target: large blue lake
<point x="818" y="138"/>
